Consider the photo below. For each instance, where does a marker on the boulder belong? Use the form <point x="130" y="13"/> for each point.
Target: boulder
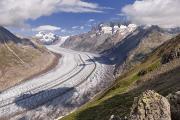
<point x="150" y="106"/>
<point x="174" y="54"/>
<point x="174" y="100"/>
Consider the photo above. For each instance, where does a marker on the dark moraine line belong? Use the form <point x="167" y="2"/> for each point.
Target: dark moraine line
<point x="28" y="96"/>
<point x="44" y="85"/>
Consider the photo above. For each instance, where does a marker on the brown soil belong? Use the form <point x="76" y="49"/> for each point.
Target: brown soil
<point x="49" y="67"/>
<point x="38" y="63"/>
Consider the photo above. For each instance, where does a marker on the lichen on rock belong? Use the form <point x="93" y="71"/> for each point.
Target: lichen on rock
<point x="150" y="106"/>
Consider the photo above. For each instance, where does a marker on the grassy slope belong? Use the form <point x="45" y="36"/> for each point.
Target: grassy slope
<point x="118" y="99"/>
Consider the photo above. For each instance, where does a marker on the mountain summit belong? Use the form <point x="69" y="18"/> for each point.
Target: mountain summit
<point x="6" y="36"/>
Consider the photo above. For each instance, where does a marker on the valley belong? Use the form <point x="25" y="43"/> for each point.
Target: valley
<point x="74" y="81"/>
<point x="86" y="75"/>
<point x="88" y="81"/>
<point x="89" y="60"/>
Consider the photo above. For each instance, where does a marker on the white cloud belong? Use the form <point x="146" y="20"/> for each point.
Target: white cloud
<point x="165" y="13"/>
<point x="46" y="28"/>
<point x="81" y="27"/>
<point x="91" y="20"/>
<point x="121" y="14"/>
<point x="16" y="12"/>
<point x="78" y="27"/>
<point x="63" y="30"/>
<point x="75" y="27"/>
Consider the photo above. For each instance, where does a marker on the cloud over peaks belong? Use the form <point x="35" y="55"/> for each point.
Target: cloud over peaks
<point x="16" y="12"/>
<point x="165" y="13"/>
<point x="46" y="28"/>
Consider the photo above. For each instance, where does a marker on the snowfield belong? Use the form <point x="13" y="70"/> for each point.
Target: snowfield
<point x="77" y="78"/>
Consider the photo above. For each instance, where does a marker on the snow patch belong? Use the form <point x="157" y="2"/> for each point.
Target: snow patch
<point x="63" y="39"/>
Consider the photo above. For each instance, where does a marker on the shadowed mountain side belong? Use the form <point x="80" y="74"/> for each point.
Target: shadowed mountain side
<point x="121" y="50"/>
<point x="103" y="60"/>
<point x="118" y="53"/>
<point x="31" y="101"/>
<point x="124" y="49"/>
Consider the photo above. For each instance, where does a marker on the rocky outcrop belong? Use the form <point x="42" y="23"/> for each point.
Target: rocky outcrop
<point x="150" y="106"/>
<point x="174" y="54"/>
<point x="174" y="100"/>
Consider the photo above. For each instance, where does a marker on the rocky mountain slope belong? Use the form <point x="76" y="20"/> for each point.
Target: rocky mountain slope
<point x="21" y="59"/>
<point x="144" y="42"/>
<point x="159" y="72"/>
<point x="99" y="39"/>
<point x="124" y="45"/>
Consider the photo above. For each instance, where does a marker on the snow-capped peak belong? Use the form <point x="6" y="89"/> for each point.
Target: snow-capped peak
<point x="121" y="28"/>
<point x="40" y="34"/>
<point x="46" y="38"/>
<point x="132" y="27"/>
<point x="63" y="39"/>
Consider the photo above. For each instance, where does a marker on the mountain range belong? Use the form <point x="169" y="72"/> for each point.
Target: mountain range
<point x="157" y="70"/>
<point x="127" y="46"/>
<point x="144" y="58"/>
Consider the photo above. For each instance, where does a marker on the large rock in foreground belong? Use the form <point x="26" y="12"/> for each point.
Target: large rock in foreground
<point x="150" y="106"/>
<point x="174" y="100"/>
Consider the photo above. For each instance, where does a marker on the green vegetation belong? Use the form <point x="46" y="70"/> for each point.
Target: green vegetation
<point x="118" y="99"/>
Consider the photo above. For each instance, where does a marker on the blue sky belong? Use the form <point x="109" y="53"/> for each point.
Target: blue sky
<point x="68" y="17"/>
<point x="67" y="20"/>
